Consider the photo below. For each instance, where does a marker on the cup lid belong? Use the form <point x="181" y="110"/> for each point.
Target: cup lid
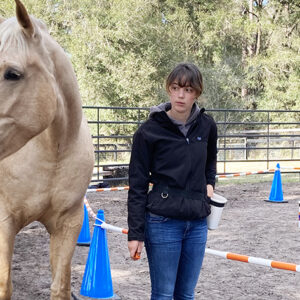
<point x="219" y="199"/>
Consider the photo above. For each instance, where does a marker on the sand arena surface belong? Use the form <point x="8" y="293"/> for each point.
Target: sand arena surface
<point x="249" y="226"/>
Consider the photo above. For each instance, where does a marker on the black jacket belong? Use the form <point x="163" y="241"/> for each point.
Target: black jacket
<point x="179" y="167"/>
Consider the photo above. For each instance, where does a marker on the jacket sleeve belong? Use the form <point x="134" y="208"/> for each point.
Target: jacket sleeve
<point x="211" y="162"/>
<point x="139" y="177"/>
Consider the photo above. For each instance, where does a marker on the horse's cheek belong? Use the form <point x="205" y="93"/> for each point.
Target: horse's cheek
<point x="47" y="102"/>
<point x="42" y="106"/>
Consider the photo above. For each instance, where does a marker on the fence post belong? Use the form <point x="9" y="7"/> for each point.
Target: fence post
<point x="225" y="129"/>
<point x="98" y="143"/>
<point x="139" y="117"/>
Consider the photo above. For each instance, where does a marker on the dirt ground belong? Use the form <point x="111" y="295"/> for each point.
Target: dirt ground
<point x="249" y="226"/>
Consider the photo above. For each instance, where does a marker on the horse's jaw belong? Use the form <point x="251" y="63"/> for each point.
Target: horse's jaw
<point x="7" y="128"/>
<point x="11" y="137"/>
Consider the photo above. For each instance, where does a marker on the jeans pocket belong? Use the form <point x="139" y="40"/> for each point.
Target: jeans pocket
<point x="153" y="218"/>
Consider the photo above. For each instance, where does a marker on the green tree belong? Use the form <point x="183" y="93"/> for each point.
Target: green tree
<point x="122" y="50"/>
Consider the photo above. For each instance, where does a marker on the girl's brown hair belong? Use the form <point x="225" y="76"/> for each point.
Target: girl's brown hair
<point x="186" y="74"/>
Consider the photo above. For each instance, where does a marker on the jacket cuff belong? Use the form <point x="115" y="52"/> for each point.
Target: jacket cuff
<point x="135" y="237"/>
<point x="211" y="183"/>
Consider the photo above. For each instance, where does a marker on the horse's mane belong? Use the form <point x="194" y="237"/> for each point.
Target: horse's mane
<point x="11" y="36"/>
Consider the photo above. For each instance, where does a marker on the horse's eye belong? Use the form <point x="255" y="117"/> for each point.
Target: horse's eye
<point x="12" y="74"/>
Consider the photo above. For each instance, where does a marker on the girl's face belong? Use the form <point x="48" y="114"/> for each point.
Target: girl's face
<point x="182" y="98"/>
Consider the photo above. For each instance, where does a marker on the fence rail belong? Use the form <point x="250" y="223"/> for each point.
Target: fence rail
<point x="247" y="139"/>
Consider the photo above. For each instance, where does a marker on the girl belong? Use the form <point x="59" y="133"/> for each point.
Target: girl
<point x="176" y="151"/>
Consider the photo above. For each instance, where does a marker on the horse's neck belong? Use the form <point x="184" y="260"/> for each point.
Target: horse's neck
<point x="66" y="125"/>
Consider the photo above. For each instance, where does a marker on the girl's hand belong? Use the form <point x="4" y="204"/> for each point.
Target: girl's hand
<point x="135" y="249"/>
<point x="210" y="190"/>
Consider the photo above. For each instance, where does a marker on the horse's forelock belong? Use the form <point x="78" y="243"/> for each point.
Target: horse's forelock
<point x="11" y="36"/>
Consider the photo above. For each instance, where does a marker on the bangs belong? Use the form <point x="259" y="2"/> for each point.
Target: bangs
<point x="186" y="75"/>
<point x="184" y="79"/>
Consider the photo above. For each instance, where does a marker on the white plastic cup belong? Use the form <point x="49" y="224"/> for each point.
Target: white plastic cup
<point x="217" y="204"/>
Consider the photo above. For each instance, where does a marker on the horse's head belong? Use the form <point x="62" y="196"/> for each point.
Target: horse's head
<point x="29" y="90"/>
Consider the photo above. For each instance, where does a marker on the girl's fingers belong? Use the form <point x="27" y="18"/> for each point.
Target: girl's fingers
<point x="137" y="256"/>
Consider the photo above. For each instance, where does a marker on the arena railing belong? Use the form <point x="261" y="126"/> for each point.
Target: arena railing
<point x="247" y="138"/>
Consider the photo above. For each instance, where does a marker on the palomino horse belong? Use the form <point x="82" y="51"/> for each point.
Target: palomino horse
<point x="46" y="152"/>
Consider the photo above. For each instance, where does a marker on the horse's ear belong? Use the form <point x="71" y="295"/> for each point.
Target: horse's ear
<point x="24" y="19"/>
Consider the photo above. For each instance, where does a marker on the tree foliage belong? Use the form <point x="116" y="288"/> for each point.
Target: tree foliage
<point x="122" y="50"/>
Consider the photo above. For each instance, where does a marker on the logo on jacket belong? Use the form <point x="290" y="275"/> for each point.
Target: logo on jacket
<point x="199" y="138"/>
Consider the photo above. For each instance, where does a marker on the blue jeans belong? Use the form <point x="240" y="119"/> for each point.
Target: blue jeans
<point x="175" y="250"/>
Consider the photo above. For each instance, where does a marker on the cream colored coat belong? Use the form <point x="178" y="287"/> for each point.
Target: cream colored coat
<point x="46" y="152"/>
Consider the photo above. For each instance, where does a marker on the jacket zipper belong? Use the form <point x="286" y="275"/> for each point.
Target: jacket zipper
<point x="188" y="142"/>
<point x="190" y="165"/>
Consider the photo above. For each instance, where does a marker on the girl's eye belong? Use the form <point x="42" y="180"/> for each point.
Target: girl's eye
<point x="189" y="90"/>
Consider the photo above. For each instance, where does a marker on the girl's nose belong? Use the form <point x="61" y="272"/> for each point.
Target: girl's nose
<point x="181" y="92"/>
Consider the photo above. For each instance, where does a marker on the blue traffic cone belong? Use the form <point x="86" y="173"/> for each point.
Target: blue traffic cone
<point x="276" y="194"/>
<point x="97" y="282"/>
<point x="84" y="238"/>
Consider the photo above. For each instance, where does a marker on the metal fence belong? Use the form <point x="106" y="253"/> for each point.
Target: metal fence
<point x="248" y="140"/>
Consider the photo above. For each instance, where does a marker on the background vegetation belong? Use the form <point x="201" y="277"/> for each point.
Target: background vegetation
<point x="122" y="50"/>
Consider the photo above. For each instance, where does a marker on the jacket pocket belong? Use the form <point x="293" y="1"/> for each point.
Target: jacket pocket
<point x="178" y="207"/>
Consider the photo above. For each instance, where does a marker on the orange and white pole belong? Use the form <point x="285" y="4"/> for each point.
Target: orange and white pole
<point x="245" y="173"/>
<point x="122" y="188"/>
<point x="291" y="168"/>
<point x="103" y="225"/>
<point x="255" y="260"/>
<point x="89" y="209"/>
<point x="256" y="172"/>
<point x="112" y="228"/>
